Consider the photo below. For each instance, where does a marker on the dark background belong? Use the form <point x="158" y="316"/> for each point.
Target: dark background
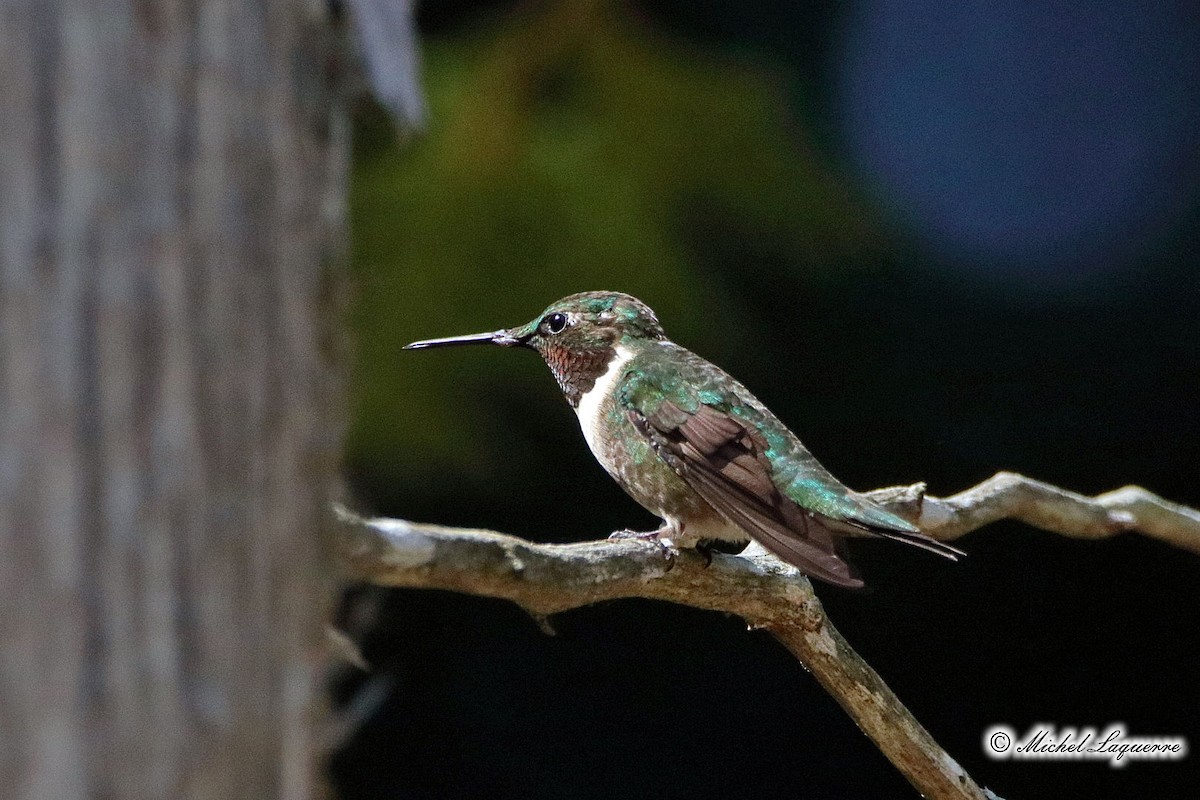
<point x="938" y="242"/>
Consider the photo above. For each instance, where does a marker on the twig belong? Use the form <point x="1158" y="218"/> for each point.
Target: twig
<point x="1007" y="495"/>
<point x="547" y="578"/>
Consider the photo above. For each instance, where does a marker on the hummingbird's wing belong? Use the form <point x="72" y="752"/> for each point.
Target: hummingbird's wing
<point x="749" y="467"/>
<point x="725" y="461"/>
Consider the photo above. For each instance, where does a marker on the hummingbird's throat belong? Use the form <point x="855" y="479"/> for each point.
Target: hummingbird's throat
<point x="577" y="370"/>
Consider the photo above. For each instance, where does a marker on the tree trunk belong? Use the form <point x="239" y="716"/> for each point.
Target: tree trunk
<point x="171" y="212"/>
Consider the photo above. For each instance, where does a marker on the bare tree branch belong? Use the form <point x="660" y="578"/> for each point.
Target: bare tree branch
<point x="1007" y="495"/>
<point x="549" y="578"/>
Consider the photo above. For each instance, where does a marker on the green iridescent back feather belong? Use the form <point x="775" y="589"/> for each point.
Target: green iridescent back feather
<point x="663" y="371"/>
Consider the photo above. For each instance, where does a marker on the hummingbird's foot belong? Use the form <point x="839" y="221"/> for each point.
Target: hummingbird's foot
<point x="706" y="548"/>
<point x="652" y="536"/>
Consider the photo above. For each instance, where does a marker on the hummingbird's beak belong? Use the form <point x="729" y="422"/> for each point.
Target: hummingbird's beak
<point x="503" y="338"/>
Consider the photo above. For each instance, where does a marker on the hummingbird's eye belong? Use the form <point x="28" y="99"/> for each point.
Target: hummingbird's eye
<point x="555" y="323"/>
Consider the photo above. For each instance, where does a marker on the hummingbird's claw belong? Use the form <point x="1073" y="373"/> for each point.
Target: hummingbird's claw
<point x="651" y="536"/>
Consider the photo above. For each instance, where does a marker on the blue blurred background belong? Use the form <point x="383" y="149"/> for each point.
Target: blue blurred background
<point x="939" y="240"/>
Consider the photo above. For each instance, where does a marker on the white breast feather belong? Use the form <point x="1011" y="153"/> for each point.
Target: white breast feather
<point x="589" y="408"/>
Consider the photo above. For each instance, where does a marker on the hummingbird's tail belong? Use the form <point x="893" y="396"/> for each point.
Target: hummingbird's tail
<point x="866" y="516"/>
<point x="921" y="540"/>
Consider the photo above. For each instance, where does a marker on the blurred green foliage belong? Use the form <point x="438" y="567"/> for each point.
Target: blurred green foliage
<point x="570" y="147"/>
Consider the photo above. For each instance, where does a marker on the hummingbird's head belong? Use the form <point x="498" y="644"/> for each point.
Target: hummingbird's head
<point x="577" y="336"/>
<point x="589" y="321"/>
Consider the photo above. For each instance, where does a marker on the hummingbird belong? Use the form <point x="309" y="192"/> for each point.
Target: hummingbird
<point x="691" y="444"/>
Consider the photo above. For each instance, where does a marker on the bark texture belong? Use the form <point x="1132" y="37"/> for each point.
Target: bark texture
<point x="172" y="207"/>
